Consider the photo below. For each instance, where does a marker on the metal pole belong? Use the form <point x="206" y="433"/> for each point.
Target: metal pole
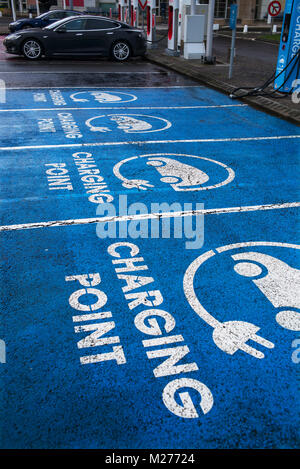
<point x="210" y="25"/>
<point x="64" y="5"/>
<point x="193" y="7"/>
<point x="232" y="53"/>
<point x="153" y="24"/>
<point x="71" y="4"/>
<point x="179" y="25"/>
<point x="13" y="9"/>
<point x="37" y="8"/>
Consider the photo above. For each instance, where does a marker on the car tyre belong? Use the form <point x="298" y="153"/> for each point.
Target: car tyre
<point x="32" y="49"/>
<point x="120" y="51"/>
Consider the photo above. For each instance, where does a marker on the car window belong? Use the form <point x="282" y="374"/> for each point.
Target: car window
<point x="96" y="24"/>
<point x="56" y="15"/>
<point x="75" y="25"/>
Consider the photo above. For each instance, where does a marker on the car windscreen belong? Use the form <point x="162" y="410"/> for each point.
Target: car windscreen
<point x="42" y="15"/>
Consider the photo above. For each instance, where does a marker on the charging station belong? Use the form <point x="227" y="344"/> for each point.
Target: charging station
<point x="134" y="13"/>
<point x="151" y="6"/>
<point x="288" y="63"/>
<point x="173" y="27"/>
<point x="194" y="47"/>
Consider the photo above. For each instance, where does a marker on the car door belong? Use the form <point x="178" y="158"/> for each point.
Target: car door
<point x="100" y="35"/>
<point x="70" y="37"/>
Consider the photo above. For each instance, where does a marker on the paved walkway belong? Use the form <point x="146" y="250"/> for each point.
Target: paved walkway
<point x="250" y="70"/>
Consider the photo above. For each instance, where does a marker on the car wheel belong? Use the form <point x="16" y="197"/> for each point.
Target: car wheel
<point x="32" y="49"/>
<point x="120" y="51"/>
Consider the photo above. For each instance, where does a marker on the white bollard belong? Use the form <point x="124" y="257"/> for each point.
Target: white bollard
<point x="245" y="30"/>
<point x="274" y="30"/>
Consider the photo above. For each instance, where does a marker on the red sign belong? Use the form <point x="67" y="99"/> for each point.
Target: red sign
<point x="143" y="4"/>
<point x="274" y="8"/>
<point x="76" y="3"/>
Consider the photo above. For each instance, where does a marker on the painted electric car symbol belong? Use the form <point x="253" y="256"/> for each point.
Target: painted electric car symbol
<point x="177" y="174"/>
<point x="279" y="282"/>
<point x="103" y="97"/>
<point x="129" y="123"/>
<point x="281" y="285"/>
<point x="180" y="176"/>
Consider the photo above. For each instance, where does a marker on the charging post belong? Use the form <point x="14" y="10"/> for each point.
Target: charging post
<point x="151" y="6"/>
<point x="173" y="19"/>
<point x="232" y="25"/>
<point x="288" y="62"/>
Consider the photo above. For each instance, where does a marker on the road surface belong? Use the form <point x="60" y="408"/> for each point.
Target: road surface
<point x="150" y="263"/>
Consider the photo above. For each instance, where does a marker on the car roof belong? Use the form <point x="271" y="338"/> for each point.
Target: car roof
<point x="73" y="11"/>
<point x="99" y="17"/>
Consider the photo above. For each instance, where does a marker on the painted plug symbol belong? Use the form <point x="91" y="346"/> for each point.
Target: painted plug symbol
<point x="232" y="336"/>
<point x="140" y="184"/>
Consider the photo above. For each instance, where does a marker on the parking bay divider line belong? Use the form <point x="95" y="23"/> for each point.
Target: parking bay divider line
<point x="126" y="108"/>
<point x="148" y="216"/>
<point x="150" y="142"/>
<point x="92" y="87"/>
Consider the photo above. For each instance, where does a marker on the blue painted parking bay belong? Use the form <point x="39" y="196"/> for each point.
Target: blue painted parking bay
<point x="112" y="97"/>
<point x="103" y="127"/>
<point x="102" y="349"/>
<point x="57" y="395"/>
<point x="53" y="184"/>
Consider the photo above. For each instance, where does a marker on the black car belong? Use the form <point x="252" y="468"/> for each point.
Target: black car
<point x="87" y="35"/>
<point x="42" y="20"/>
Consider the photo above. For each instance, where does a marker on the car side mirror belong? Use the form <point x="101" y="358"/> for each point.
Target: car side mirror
<point x="61" y="30"/>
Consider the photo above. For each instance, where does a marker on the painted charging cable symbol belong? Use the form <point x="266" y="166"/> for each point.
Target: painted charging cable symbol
<point x="2" y="91"/>
<point x="2" y="351"/>
<point x="281" y="286"/>
<point x="296" y="92"/>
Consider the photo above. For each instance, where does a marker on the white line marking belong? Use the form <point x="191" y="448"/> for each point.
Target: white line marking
<point x="70" y="72"/>
<point x="124" y="108"/>
<point x="248" y="39"/>
<point x="149" y="142"/>
<point x="91" y="87"/>
<point x="147" y="216"/>
<point x="228" y="247"/>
